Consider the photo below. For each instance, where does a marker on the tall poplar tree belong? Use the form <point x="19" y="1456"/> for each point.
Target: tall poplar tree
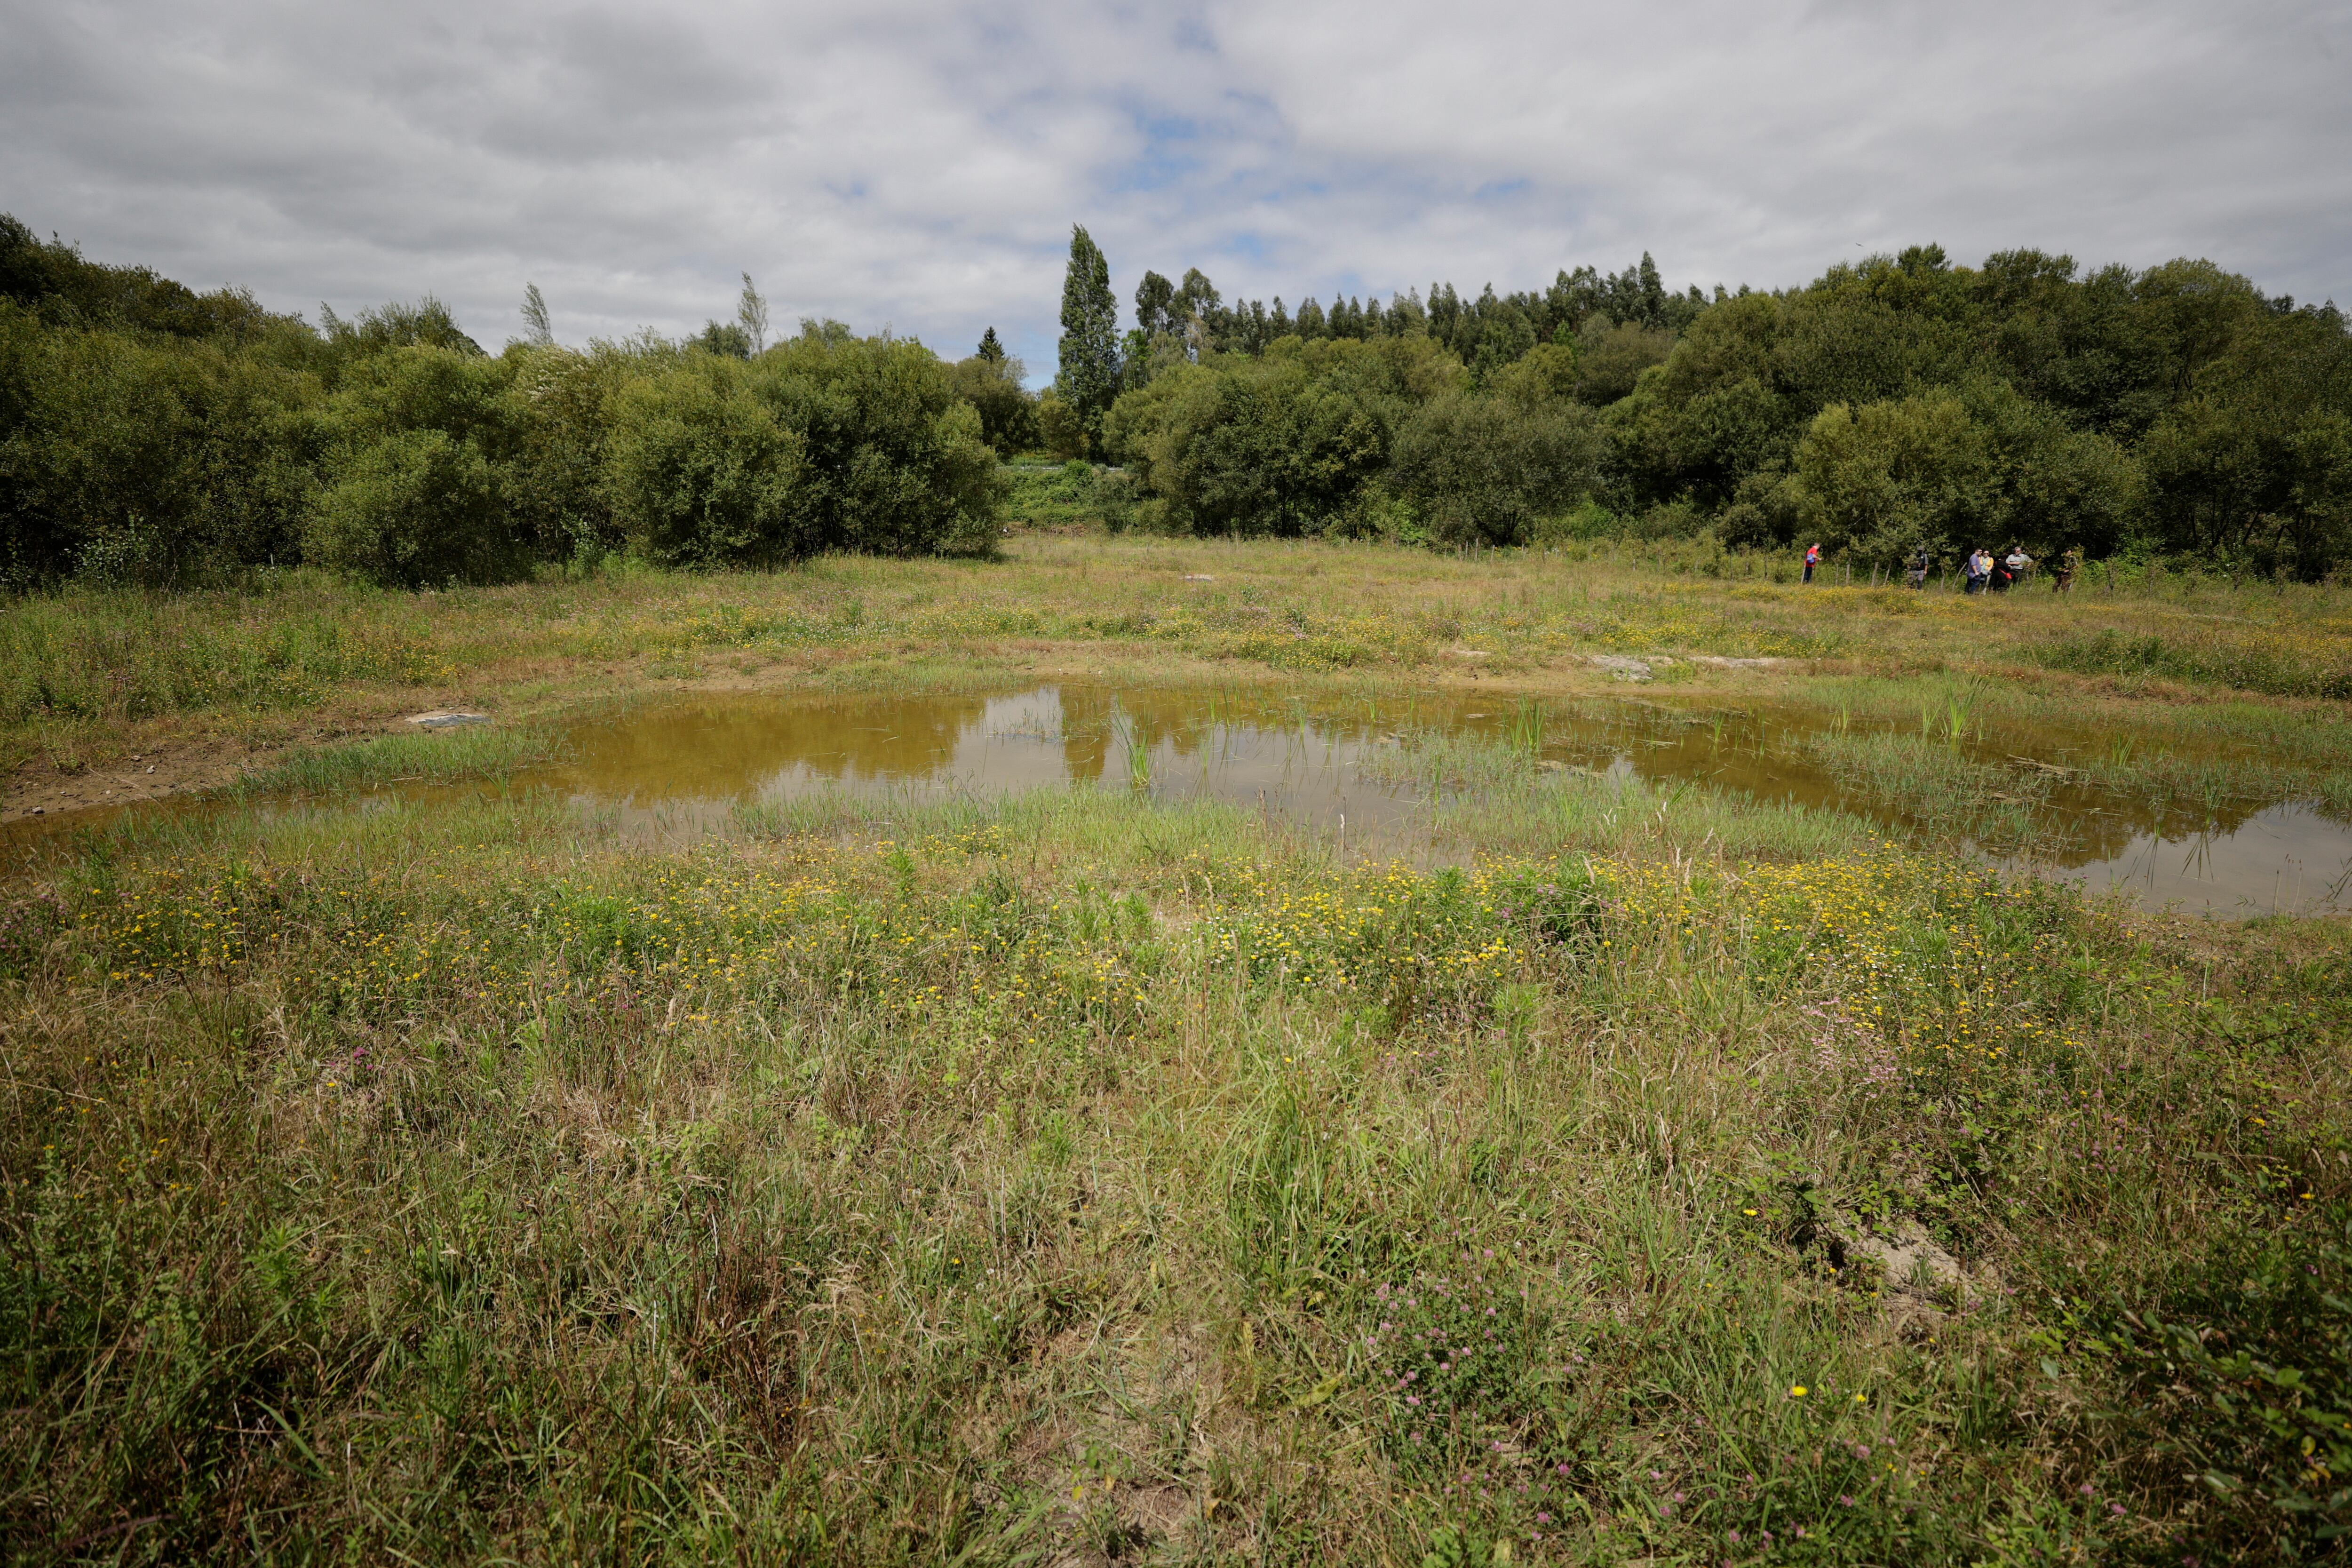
<point x="1089" y="346"/>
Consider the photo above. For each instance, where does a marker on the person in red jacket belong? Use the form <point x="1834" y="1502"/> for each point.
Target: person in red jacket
<point x="1813" y="559"/>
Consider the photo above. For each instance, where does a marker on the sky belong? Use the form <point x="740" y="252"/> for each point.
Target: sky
<point x="918" y="166"/>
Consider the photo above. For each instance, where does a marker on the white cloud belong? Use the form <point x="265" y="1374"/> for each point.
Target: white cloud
<point x="919" y="165"/>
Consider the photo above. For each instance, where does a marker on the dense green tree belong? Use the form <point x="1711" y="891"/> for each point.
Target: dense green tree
<point x="1609" y="359"/>
<point x="1089" y="344"/>
<point x="1484" y="470"/>
<point x="414" y="478"/>
<point x="1284" y="443"/>
<point x="702" y="472"/>
<point x="726" y="339"/>
<point x="896" y="460"/>
<point x="146" y="458"/>
<point x="151" y="434"/>
<point x="1886" y="478"/>
<point x="412" y="508"/>
<point x="53" y="281"/>
<point x="1155" y="306"/>
<point x="426" y="324"/>
<point x="993" y="385"/>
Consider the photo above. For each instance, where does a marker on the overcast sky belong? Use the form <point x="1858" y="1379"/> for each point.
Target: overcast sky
<point x="918" y="165"/>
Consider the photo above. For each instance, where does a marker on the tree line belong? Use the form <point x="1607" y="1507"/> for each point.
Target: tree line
<point x="1894" y="404"/>
<point x="151" y="434"/>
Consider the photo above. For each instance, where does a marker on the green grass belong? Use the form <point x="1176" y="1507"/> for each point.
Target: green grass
<point x="445" y="1175"/>
<point x="1929" y="781"/>
<point x="999" y="1179"/>
<point x="467" y="751"/>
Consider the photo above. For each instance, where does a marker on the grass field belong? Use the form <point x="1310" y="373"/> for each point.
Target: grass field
<point x="1074" y="1179"/>
<point x="89" y="679"/>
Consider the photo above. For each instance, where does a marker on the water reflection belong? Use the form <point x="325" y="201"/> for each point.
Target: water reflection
<point x="2283" y="858"/>
<point x="688" y="765"/>
<point x="685" y="766"/>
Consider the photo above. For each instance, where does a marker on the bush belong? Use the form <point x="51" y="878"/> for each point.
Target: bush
<point x="139" y="444"/>
<point x="416" y="490"/>
<point x="701" y="473"/>
<point x="1008" y="414"/>
<point x="412" y="508"/>
<point x="896" y="463"/>
<point x="143" y="461"/>
<point x="1061" y="427"/>
<point x="1482" y="470"/>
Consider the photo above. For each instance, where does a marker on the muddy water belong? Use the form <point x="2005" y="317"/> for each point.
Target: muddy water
<point x="692" y="764"/>
<point x="688" y="765"/>
<point x="685" y="766"/>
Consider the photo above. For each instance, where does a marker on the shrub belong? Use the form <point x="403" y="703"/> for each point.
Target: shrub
<point x="701" y="473"/>
<point x="142" y="461"/>
<point x="1008" y="414"/>
<point x="1481" y="470"/>
<point x="895" y="459"/>
<point x="414" y="508"/>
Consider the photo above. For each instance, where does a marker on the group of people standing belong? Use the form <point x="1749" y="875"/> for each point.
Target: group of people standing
<point x="1982" y="573"/>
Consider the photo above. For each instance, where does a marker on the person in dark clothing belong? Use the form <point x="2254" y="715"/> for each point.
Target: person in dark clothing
<point x="1916" y="575"/>
<point x="1974" y="573"/>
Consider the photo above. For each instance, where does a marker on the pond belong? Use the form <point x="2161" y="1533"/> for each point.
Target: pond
<point x="1368" y="773"/>
<point x="690" y="764"/>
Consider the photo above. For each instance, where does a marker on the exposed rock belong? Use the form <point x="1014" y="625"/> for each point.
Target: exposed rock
<point x="1625" y="667"/>
<point x="1914" y="1263"/>
<point x="446" y="719"/>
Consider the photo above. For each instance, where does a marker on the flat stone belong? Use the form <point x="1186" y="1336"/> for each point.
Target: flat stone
<point x="1625" y="667"/>
<point x="446" y="719"/>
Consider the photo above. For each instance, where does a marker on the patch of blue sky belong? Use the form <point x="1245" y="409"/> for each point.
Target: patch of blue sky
<point x="1167" y="156"/>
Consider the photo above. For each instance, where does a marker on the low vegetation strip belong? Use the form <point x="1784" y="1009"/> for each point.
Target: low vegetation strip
<point x="2278" y="662"/>
<point x="427" y="1178"/>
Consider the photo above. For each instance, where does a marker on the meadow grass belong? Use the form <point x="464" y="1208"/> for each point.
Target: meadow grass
<point x="1647" y="1172"/>
<point x="1068" y="1178"/>
<point x="86" y="668"/>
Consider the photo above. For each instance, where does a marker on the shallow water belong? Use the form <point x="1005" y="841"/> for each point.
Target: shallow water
<point x="688" y="765"/>
<point x="683" y="766"/>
